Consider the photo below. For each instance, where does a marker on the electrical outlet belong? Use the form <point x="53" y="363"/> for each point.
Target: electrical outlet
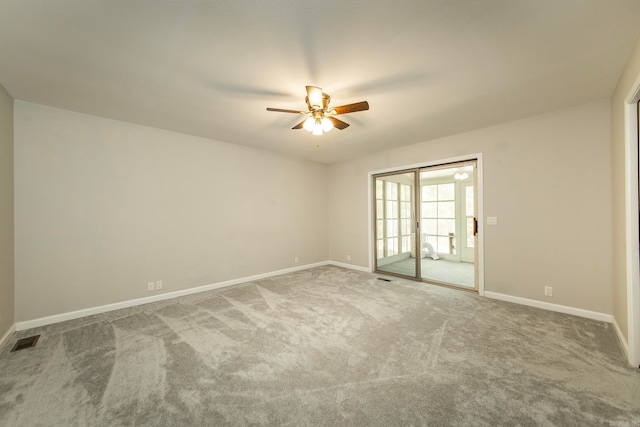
<point x="348" y="257"/>
<point x="159" y="284"/>
<point x="548" y="291"/>
<point x="296" y="259"/>
<point x="151" y="286"/>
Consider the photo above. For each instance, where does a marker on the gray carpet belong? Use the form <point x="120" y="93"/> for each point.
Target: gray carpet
<point x="325" y="346"/>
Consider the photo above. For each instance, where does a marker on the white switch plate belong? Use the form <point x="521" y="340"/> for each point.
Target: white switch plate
<point x="492" y="220"/>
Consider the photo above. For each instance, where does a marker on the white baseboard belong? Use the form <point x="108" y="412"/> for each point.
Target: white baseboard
<point x="7" y="335"/>
<point x="349" y="266"/>
<point x="551" y="307"/>
<point x="28" y="324"/>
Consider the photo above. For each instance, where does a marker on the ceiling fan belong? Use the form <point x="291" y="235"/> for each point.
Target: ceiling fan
<point x="321" y="118"/>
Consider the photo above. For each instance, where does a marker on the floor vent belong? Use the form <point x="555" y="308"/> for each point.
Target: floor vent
<point x="384" y="280"/>
<point x="23" y="343"/>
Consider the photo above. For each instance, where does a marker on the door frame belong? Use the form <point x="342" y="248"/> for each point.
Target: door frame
<point x="631" y="224"/>
<point x="479" y="207"/>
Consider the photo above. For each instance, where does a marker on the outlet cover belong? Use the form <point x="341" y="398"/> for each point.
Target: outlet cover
<point x="548" y="291"/>
<point x="159" y="284"/>
<point x="151" y="286"/>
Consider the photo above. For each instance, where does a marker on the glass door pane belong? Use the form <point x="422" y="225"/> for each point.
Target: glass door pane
<point x="447" y="213"/>
<point x="395" y="224"/>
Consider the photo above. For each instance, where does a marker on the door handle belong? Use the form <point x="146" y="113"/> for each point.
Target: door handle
<point x="475" y="226"/>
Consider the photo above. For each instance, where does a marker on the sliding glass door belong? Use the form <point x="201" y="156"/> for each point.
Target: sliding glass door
<point x="425" y="224"/>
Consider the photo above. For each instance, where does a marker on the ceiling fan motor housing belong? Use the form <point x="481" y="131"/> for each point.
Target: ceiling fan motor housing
<point x="325" y="103"/>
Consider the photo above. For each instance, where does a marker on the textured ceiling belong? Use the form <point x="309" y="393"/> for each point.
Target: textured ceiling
<point x="210" y="68"/>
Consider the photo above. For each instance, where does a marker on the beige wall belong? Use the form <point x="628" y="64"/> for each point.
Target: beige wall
<point x="546" y="178"/>
<point x="6" y="213"/>
<point x="627" y="79"/>
<point x="102" y="207"/>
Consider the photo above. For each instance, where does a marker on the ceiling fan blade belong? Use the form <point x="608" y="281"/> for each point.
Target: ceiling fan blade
<point x="337" y="123"/>
<point x="314" y="96"/>
<point x="351" y="108"/>
<point x="280" y="110"/>
<point x="299" y="125"/>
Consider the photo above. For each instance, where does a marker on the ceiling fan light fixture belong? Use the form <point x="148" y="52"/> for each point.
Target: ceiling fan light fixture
<point x="309" y="124"/>
<point x="320" y="117"/>
<point x="317" y="127"/>
<point x="327" y="125"/>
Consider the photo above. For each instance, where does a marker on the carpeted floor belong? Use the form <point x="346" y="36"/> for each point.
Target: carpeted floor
<point x="325" y="346"/>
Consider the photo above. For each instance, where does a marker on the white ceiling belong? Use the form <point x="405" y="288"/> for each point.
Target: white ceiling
<point x="210" y="68"/>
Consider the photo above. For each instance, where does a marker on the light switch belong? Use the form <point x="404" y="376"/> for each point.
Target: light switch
<point x="492" y="220"/>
